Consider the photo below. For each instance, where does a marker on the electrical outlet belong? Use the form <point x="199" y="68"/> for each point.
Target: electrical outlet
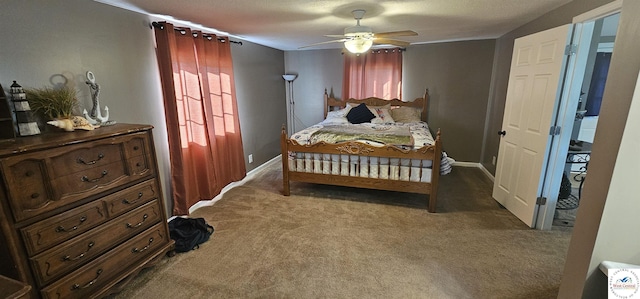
<point x="493" y="161"/>
<point x="251" y="158"/>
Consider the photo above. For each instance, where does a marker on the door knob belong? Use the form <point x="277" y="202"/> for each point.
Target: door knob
<point x="503" y="133"/>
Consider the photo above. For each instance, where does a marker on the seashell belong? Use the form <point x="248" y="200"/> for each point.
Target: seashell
<point x="82" y="123"/>
<point x="73" y="123"/>
<point x="64" y="123"/>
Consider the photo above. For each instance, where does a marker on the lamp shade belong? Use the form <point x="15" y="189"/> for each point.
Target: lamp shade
<point x="358" y="45"/>
<point x="289" y="77"/>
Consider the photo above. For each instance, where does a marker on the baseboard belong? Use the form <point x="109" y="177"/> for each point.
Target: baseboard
<point x="466" y="164"/>
<point x="487" y="173"/>
<point x="477" y="165"/>
<point x="250" y="175"/>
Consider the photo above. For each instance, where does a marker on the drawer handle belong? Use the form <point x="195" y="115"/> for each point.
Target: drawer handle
<point x="35" y="195"/>
<point x="68" y="258"/>
<point x="136" y="250"/>
<point x="82" y="161"/>
<point x="86" y="179"/>
<point x="88" y="284"/>
<point x="127" y="202"/>
<point x="61" y="228"/>
<point x="144" y="218"/>
<point x="29" y="173"/>
<point x="135" y="148"/>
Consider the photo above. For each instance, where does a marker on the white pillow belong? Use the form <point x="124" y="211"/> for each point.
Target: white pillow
<point x="337" y="113"/>
<point x="335" y="121"/>
<point x="336" y="117"/>
<point x="382" y="113"/>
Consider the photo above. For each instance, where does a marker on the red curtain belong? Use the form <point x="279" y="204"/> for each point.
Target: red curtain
<point x="375" y="74"/>
<point x="205" y="144"/>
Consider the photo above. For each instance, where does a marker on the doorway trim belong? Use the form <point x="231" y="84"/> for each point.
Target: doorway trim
<point x="600" y="12"/>
<point x="583" y="29"/>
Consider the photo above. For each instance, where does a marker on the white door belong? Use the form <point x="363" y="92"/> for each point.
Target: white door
<point x="537" y="68"/>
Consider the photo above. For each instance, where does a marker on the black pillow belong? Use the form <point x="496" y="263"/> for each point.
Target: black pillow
<point x="360" y="114"/>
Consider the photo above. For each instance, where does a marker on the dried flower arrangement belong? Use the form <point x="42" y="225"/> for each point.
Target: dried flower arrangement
<point x="53" y="103"/>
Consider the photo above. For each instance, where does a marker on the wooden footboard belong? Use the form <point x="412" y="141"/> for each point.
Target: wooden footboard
<point x="360" y="166"/>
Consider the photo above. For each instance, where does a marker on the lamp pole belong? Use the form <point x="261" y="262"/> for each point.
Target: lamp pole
<point x="292" y="109"/>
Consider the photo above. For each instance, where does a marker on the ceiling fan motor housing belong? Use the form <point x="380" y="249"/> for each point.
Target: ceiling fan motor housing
<point x="358" y="31"/>
<point x="364" y="31"/>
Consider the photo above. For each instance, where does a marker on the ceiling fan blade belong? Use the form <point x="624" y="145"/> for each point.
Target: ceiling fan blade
<point x="386" y="41"/>
<point x="327" y="42"/>
<point x="336" y="35"/>
<point x="396" y="33"/>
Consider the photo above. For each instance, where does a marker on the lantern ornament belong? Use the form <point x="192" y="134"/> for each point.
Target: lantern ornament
<point x="25" y="119"/>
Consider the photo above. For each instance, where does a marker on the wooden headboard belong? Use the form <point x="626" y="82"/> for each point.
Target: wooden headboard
<point x="332" y="103"/>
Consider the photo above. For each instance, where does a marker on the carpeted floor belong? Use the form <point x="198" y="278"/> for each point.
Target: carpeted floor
<point x="337" y="242"/>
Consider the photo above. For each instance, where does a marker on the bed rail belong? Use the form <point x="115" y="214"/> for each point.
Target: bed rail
<point x="360" y="166"/>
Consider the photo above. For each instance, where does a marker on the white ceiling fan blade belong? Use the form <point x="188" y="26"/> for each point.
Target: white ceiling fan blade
<point x="336" y="35"/>
<point x="386" y="41"/>
<point x="396" y="33"/>
<point x="327" y="42"/>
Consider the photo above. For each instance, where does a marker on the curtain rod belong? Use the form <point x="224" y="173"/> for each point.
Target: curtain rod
<point x="386" y="50"/>
<point x="195" y="34"/>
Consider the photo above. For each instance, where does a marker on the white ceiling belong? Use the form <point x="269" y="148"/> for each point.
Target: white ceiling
<point x="290" y="24"/>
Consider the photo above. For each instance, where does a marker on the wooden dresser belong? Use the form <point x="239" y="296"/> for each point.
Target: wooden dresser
<point x="81" y="212"/>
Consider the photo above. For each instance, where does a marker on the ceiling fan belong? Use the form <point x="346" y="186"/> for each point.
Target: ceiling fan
<point x="359" y="39"/>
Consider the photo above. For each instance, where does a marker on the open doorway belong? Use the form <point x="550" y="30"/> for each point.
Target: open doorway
<point x="545" y="87"/>
<point x="586" y="119"/>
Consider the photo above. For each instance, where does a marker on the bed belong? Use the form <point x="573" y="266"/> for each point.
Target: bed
<point x="375" y="155"/>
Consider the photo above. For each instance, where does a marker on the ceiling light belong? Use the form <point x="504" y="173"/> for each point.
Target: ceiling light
<point x="360" y="43"/>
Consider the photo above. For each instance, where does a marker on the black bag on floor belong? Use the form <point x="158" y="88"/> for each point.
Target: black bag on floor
<point x="189" y="233"/>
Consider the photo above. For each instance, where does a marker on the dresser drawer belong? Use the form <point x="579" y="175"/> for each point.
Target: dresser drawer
<point x="141" y="218"/>
<point x="46" y="233"/>
<point x="73" y="253"/>
<point x="83" y="157"/>
<point x="141" y="166"/>
<point x="40" y="182"/>
<point x="98" y="273"/>
<point x="132" y="197"/>
<point x="137" y="145"/>
<point x="26" y="179"/>
<point x="87" y="181"/>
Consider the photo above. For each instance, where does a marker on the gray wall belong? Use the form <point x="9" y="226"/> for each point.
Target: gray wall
<point x="42" y="40"/>
<point x="317" y="70"/>
<point x="504" y="48"/>
<point x="457" y="75"/>
<point x="261" y="99"/>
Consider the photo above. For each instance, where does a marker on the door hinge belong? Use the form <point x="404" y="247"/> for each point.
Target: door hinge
<point x="541" y="200"/>
<point x="570" y="49"/>
<point x="554" y="130"/>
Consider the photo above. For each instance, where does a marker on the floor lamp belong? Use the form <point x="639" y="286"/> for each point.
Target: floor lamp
<point x="292" y="109"/>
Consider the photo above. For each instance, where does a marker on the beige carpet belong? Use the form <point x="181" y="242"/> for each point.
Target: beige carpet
<point x="336" y="242"/>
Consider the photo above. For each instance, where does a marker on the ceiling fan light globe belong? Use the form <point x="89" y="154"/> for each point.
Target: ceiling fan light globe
<point x="358" y="45"/>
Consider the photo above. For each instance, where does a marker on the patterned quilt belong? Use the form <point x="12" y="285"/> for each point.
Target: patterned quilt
<point x="404" y="135"/>
<point x="390" y="135"/>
